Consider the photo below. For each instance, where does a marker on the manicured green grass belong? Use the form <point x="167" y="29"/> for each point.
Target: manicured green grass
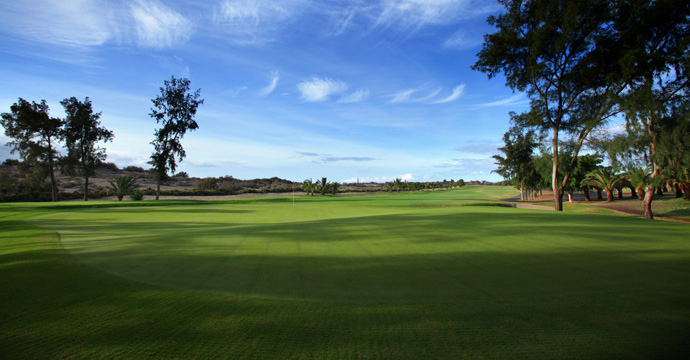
<point x="402" y="275"/>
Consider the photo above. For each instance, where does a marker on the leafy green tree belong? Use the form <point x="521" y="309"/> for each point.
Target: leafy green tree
<point x="516" y="164"/>
<point x="585" y="164"/>
<point x="639" y="178"/>
<point x="322" y="185"/>
<point x="82" y="133"/>
<point x="604" y="178"/>
<point x="656" y="36"/>
<point x="174" y="108"/>
<point x="309" y="186"/>
<point x="122" y="185"/>
<point x="34" y="135"/>
<point x="558" y="52"/>
<point x="335" y="186"/>
<point x="398" y="184"/>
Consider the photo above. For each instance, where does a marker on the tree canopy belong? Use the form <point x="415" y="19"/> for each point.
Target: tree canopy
<point x="174" y="108"/>
<point x="34" y="135"/>
<point x="82" y="133"/>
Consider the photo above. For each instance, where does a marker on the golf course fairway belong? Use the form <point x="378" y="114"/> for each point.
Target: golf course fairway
<point x="426" y="275"/>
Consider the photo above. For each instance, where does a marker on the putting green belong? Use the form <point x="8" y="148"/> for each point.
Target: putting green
<point x="400" y="248"/>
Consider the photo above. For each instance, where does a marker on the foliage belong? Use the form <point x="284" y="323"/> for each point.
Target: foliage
<point x="209" y="183"/>
<point x="82" y="133"/>
<point x="132" y="168"/>
<point x="122" y="185"/>
<point x="516" y="164"/>
<point x="322" y="185"/>
<point x="136" y="195"/>
<point x="603" y="178"/>
<point x="309" y="186"/>
<point x="558" y="52"/>
<point x="174" y="108"/>
<point x="34" y="134"/>
<point x="334" y="187"/>
<point x="182" y="174"/>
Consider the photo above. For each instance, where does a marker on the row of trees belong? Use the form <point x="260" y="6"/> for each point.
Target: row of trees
<point x="322" y="186"/>
<point x="585" y="62"/>
<point x="403" y="185"/>
<point x="36" y="136"/>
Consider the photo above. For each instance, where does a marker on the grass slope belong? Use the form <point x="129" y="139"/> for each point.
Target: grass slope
<point x="409" y="275"/>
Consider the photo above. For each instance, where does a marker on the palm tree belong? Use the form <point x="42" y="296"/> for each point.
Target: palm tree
<point x="322" y="185"/>
<point x="639" y="178"/>
<point x="603" y="178"/>
<point x="122" y="185"/>
<point x="398" y="184"/>
<point x="335" y="186"/>
<point x="390" y="186"/>
<point x="309" y="186"/>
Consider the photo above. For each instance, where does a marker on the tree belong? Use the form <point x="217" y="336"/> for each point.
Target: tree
<point x="516" y="164"/>
<point x="585" y="164"/>
<point x="122" y="185"/>
<point x="322" y="185"/>
<point x="309" y="186"/>
<point x="174" y="108"/>
<point x="335" y="186"/>
<point x="82" y="132"/>
<point x="398" y="184"/>
<point x="559" y="52"/>
<point x="603" y="178"/>
<point x="657" y="40"/>
<point x="34" y="135"/>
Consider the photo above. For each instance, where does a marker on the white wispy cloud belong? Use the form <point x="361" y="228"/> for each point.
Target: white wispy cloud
<point x="256" y="21"/>
<point x="457" y="92"/>
<point x="462" y="40"/>
<point x="272" y="86"/>
<point x="517" y="99"/>
<point x="158" y="26"/>
<point x="405" y="96"/>
<point x="414" y="14"/>
<point x="72" y="23"/>
<point x="318" y="89"/>
<point x="356" y="96"/>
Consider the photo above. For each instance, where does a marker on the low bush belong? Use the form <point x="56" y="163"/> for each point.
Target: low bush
<point x="136" y="195"/>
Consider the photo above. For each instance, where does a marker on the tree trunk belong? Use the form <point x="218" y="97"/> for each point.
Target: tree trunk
<point x="640" y="193"/>
<point x="86" y="188"/>
<point x="679" y="192"/>
<point x="686" y="192"/>
<point x="53" y="186"/>
<point x="558" y="198"/>
<point x="158" y="187"/>
<point x="647" y="202"/>
<point x="659" y="191"/>
<point x="586" y="192"/>
<point x="620" y="192"/>
<point x="633" y="192"/>
<point x="609" y="195"/>
<point x="599" y="196"/>
<point x="570" y="196"/>
<point x="522" y="190"/>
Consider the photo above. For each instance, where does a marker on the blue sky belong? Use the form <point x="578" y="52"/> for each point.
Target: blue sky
<point x="369" y="90"/>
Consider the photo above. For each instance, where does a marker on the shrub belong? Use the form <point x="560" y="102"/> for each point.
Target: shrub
<point x="134" y="169"/>
<point x="109" y="166"/>
<point x="13" y="162"/>
<point x="182" y="174"/>
<point x="122" y="185"/>
<point x="207" y="184"/>
<point x="136" y="195"/>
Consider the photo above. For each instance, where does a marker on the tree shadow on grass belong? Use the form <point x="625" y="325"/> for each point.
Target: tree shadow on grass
<point x="55" y="308"/>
